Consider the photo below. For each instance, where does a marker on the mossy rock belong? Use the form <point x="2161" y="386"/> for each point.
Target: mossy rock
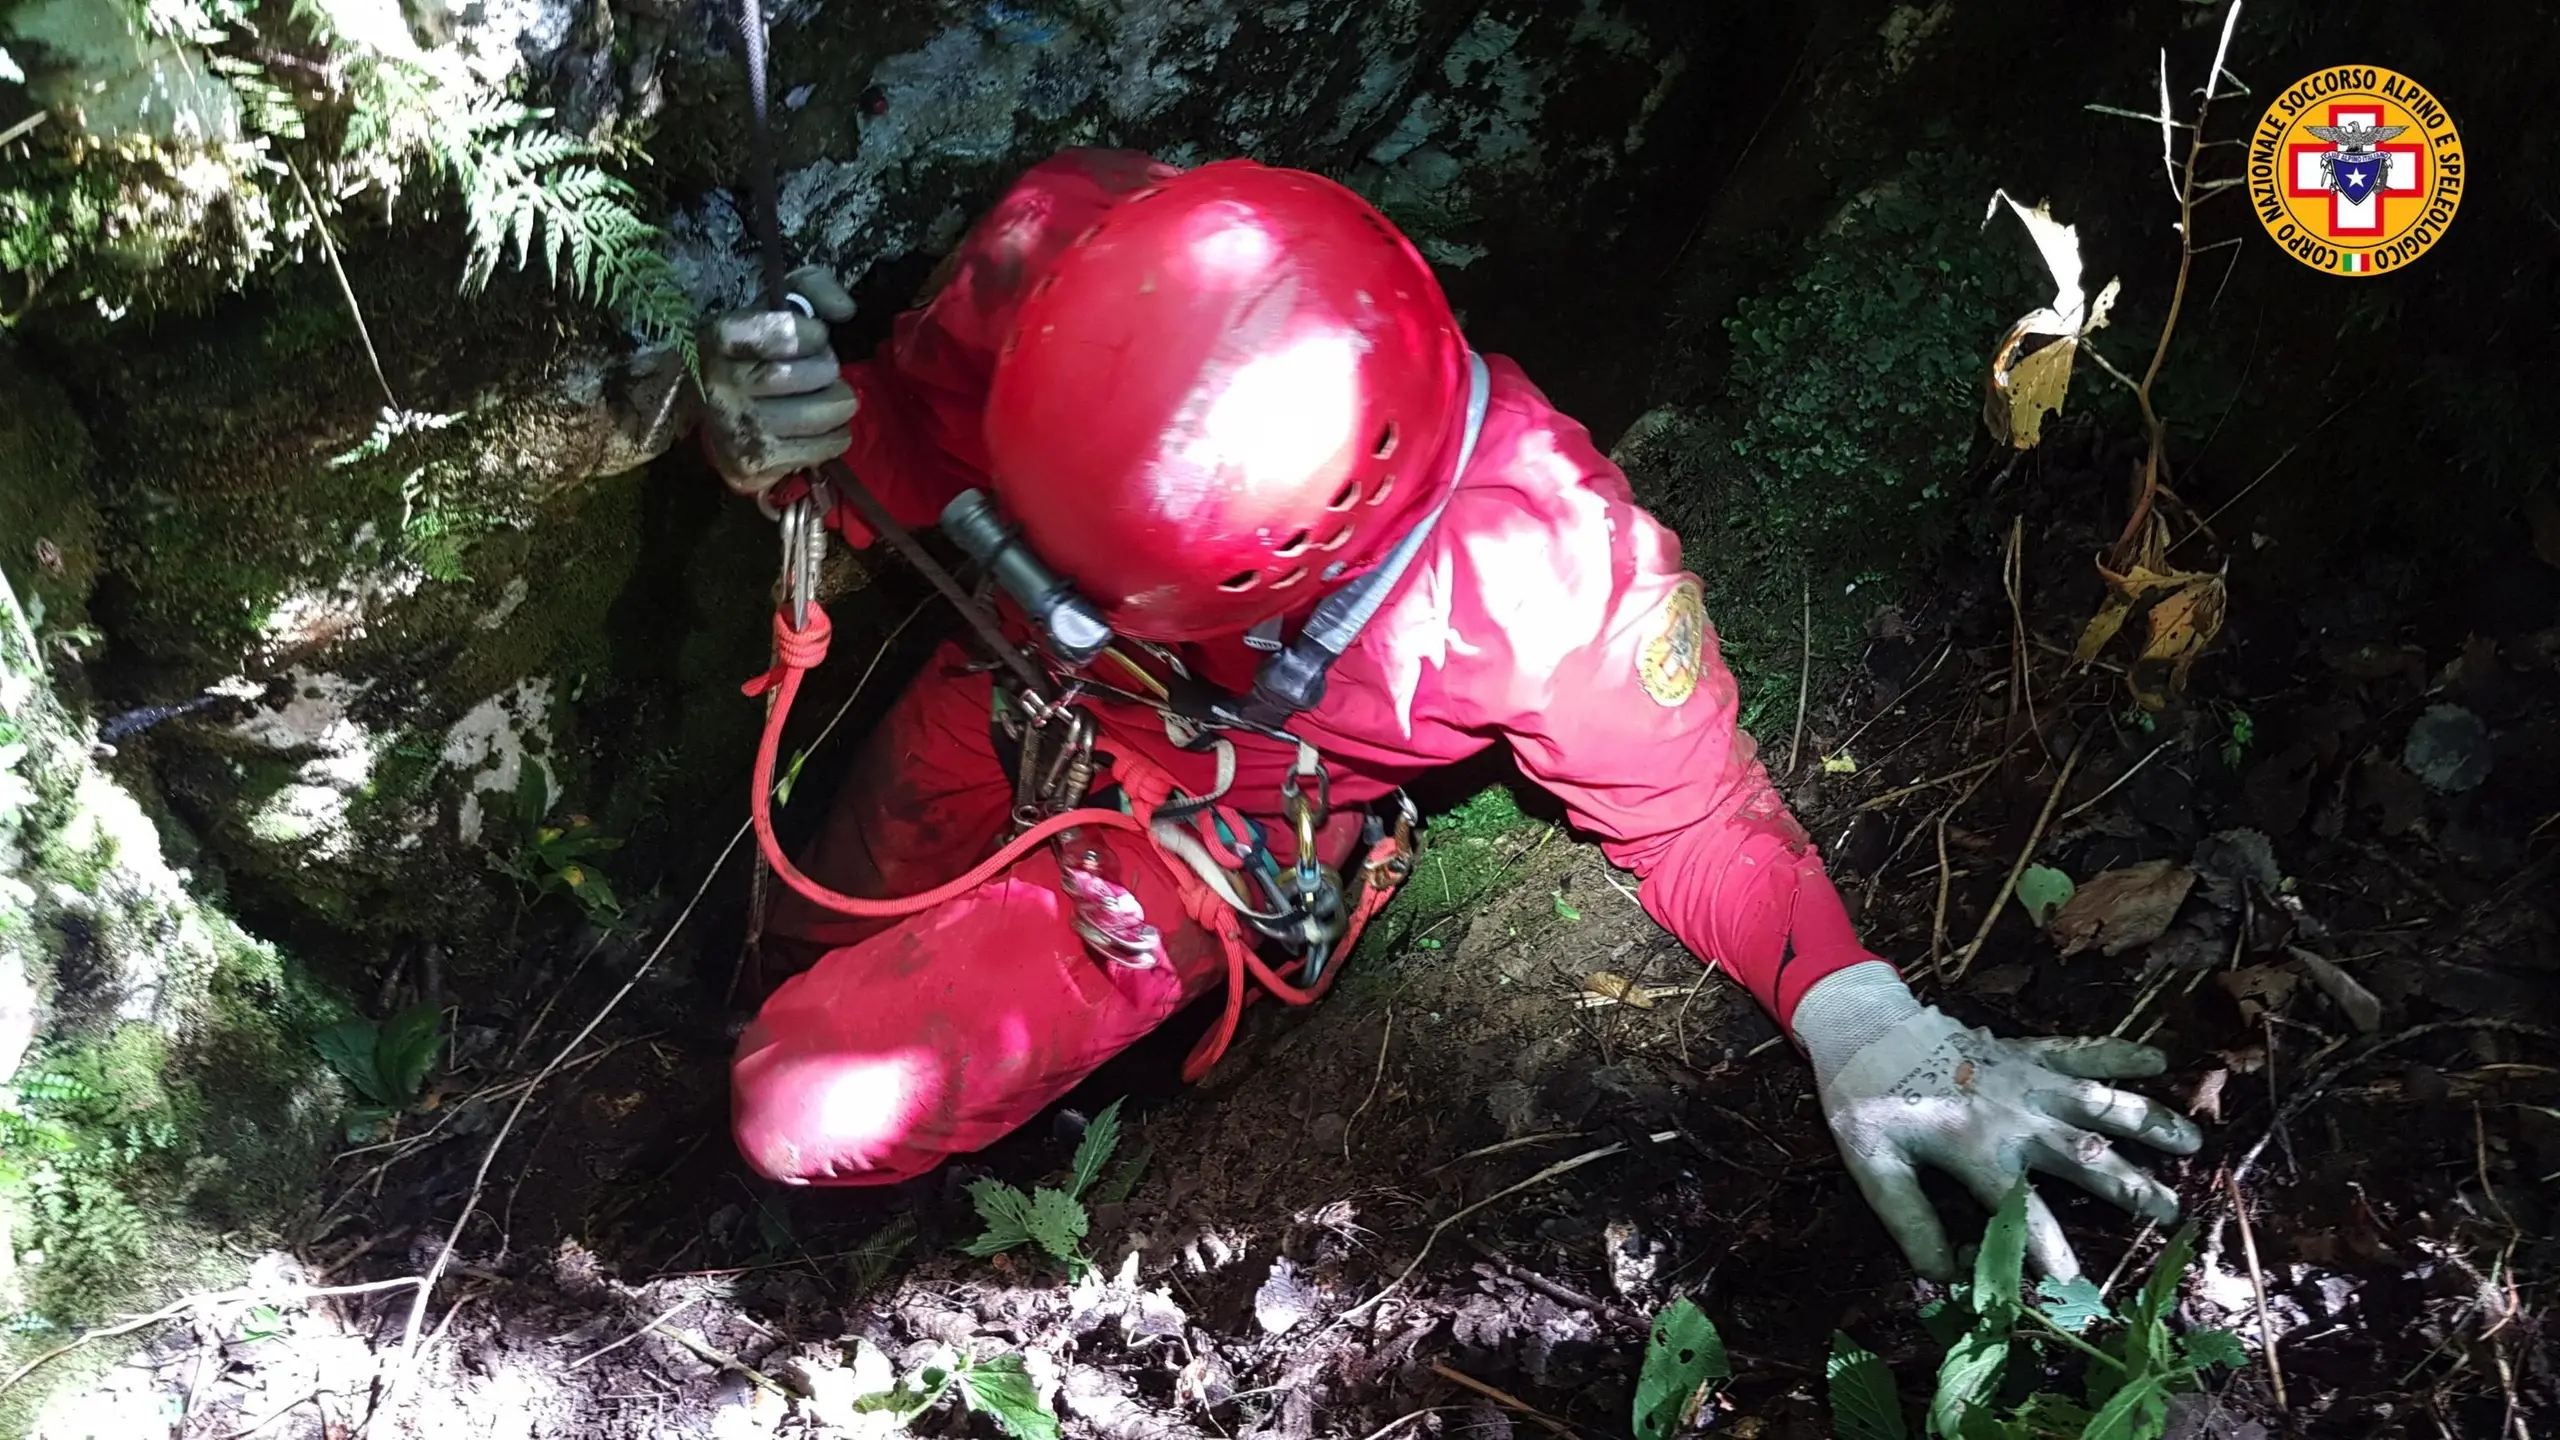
<point x="161" y="1092"/>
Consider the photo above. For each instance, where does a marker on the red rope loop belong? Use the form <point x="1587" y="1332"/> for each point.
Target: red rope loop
<point x="1146" y="786"/>
<point x="794" y="650"/>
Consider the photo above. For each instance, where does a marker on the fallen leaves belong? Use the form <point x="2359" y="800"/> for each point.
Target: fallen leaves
<point x="1608" y="987"/>
<point x="2026" y="384"/>
<point x="2182" y="611"/>
<point x="2120" y="909"/>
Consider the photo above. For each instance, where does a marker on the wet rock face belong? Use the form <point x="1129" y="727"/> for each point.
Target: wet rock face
<point x="344" y="611"/>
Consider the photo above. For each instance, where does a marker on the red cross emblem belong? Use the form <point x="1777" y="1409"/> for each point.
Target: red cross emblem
<point x="2309" y="170"/>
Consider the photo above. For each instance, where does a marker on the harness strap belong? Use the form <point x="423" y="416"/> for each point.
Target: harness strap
<point x="797" y="650"/>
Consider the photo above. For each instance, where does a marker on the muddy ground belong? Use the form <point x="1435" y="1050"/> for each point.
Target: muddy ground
<point x="2387" y="1106"/>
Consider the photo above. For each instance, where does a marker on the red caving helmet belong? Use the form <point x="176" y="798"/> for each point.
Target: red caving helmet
<point x="1233" y="391"/>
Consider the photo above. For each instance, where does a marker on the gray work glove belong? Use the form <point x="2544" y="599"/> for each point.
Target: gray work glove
<point x="774" y="399"/>
<point x="1904" y="1085"/>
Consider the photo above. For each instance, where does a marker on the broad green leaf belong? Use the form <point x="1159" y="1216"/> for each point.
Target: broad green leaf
<point x="2072" y="1304"/>
<point x="1947" y="1320"/>
<point x="2205" y="1349"/>
<point x="2002" y="1260"/>
<point x="2042" y="889"/>
<point x="406" y="1050"/>
<point x="349" y="1049"/>
<point x="533" y="797"/>
<point x="1863" y="1403"/>
<point x="1968" y="1377"/>
<point x="2144" y="1347"/>
<point x="1980" y="1423"/>
<point x="2139" y="1411"/>
<point x="1058" y="1221"/>
<point x="1003" y="1388"/>
<point x="1683" y="1355"/>
<point x="2046" y="1413"/>
<point x="1007" y="1212"/>
<point x="1124" y="1179"/>
<point x="1565" y="910"/>
<point x="1101" y="1137"/>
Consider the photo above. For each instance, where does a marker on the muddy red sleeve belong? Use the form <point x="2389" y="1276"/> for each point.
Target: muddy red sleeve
<point x="1577" y="632"/>
<point x="919" y="438"/>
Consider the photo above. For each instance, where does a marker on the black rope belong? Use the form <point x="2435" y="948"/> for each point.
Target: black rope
<point x="768" y="207"/>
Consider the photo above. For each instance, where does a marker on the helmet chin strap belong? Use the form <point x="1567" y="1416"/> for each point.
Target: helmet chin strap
<point x="1293" y="679"/>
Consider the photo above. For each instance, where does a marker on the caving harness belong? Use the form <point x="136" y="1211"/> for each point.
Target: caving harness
<point x="1228" y="875"/>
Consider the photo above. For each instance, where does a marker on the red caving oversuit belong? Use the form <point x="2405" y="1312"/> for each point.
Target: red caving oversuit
<point x="1547" y="610"/>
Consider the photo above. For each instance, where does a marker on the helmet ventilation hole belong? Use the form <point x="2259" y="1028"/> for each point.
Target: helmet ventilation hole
<point x="1346" y="497"/>
<point x="1086" y="238"/>
<point x="1043" y="285"/>
<point x="1386" y="445"/>
<point x="1241" y="581"/>
<point x="1386" y="485"/>
<point x="1337" y="539"/>
<point x="1295" y="545"/>
<point x="1296" y="574"/>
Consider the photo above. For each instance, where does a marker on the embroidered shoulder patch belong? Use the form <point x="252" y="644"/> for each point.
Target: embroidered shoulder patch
<point x="1675" y="645"/>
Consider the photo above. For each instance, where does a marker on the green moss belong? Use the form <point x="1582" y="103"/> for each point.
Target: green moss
<point x="1833" y="460"/>
<point x="1464" y="855"/>
<point x="48" y="526"/>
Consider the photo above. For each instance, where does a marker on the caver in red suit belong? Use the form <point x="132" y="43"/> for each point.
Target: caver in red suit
<point x="1210" y="399"/>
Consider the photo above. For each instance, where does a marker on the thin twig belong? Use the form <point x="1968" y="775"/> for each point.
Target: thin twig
<point x="677" y="1309"/>
<point x="25" y="126"/>
<point x="395" y="1391"/>
<point x="176" y="1308"/>
<point x="2026" y="854"/>
<point x="329" y="248"/>
<point x="1561" y="1167"/>
<point x="1504" y="1146"/>
<point x="2258" y="1287"/>
<point x="2153" y="428"/>
<point x="1804" y="683"/>
<point x="2085" y="806"/>
<point x="1383" y="1431"/>
<point x="1374" y="1081"/>
<point x="1914" y="788"/>
<point x="1503" y="1398"/>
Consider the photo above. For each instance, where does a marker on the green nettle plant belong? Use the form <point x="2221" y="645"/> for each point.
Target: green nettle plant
<point x="2133" y="1362"/>
<point x="1053" y="1219"/>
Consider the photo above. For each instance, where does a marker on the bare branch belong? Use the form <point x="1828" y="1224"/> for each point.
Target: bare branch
<point x="2145" y="116"/>
<point x="2168" y="161"/>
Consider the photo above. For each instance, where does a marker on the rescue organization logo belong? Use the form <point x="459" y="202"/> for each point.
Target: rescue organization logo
<point x="2355" y="170"/>
<point x="1675" y="644"/>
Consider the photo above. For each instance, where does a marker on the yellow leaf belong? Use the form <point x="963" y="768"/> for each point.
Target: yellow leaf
<point x="1610" y="985"/>
<point x="574" y="875"/>
<point x="546" y="834"/>
<point x="2182" y="625"/>
<point x="2035" y="388"/>
<point x="2102" y="628"/>
<point x="1840" y="764"/>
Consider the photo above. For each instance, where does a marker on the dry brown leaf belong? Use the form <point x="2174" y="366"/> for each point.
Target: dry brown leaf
<point x="2205" y="1102"/>
<point x="2257" y="988"/>
<point x="2182" y="625"/>
<point x="1608" y="987"/>
<point x="2121" y="909"/>
<point x="2362" y="1007"/>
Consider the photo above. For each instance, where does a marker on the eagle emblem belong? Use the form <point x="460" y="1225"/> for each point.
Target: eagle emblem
<point x="2356" y="169"/>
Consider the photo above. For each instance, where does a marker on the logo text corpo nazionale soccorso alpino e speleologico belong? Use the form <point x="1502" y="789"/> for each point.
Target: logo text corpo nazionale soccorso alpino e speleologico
<point x="2355" y="170"/>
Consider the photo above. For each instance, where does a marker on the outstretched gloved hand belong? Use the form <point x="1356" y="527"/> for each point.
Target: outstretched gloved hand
<point x="774" y="398"/>
<point x="1904" y="1086"/>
